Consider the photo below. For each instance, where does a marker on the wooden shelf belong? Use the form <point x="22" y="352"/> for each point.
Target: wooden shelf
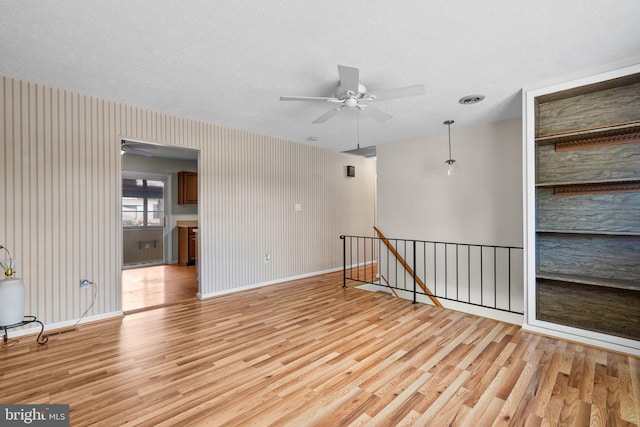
<point x="603" y="309"/>
<point x="589" y="232"/>
<point x="606" y="107"/>
<point x="591" y="281"/>
<point x="623" y="133"/>
<point x="603" y="182"/>
<point x="588" y="89"/>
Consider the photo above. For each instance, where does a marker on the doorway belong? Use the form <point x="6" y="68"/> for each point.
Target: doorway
<point x="150" y="212"/>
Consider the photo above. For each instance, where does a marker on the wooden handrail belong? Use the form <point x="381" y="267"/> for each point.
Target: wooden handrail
<point x="407" y="267"/>
<point x="388" y="286"/>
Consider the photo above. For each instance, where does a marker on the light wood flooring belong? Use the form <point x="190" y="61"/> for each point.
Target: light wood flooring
<point x="151" y="287"/>
<point x="310" y="353"/>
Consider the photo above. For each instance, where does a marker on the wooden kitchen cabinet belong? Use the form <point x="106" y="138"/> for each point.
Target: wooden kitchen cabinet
<point x="187" y="245"/>
<point x="187" y="188"/>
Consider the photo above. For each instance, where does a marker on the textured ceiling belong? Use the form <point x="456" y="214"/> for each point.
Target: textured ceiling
<point x="227" y="62"/>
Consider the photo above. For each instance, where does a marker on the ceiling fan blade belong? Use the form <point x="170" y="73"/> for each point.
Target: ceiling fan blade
<point x="401" y="92"/>
<point x="376" y="114"/>
<point x="326" y="116"/>
<point x="349" y="78"/>
<point x="131" y="144"/>
<point x="306" y="98"/>
<point x="138" y="152"/>
<point x="140" y="146"/>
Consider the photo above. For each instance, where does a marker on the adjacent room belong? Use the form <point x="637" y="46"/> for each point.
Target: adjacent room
<point x="159" y="225"/>
<point x="320" y="213"/>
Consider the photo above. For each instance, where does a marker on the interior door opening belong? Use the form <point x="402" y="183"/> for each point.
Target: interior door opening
<point x="152" y="216"/>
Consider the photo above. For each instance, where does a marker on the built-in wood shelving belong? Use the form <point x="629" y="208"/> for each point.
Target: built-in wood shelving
<point x="587" y="206"/>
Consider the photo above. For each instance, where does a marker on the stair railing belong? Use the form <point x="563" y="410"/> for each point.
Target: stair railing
<point x="488" y="276"/>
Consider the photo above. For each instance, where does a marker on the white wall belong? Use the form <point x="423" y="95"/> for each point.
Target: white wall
<point x="60" y="188"/>
<point x="481" y="205"/>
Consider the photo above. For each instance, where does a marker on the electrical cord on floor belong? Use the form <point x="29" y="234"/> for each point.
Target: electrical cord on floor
<point x="94" y="295"/>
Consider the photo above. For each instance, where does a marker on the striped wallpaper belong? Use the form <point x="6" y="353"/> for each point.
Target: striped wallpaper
<point x="60" y="192"/>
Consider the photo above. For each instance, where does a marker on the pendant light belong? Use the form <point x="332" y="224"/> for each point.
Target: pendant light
<point x="451" y="168"/>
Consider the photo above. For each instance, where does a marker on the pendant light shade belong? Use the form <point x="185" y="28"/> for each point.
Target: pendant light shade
<point x="451" y="167"/>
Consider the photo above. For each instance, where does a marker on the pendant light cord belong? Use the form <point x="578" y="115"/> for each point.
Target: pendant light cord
<point x="449" y="126"/>
<point x="449" y="123"/>
<point x="358" y="130"/>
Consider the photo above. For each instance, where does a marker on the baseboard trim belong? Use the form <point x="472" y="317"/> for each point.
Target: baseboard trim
<point x="623" y="346"/>
<point x="19" y="332"/>
<point x="204" y="296"/>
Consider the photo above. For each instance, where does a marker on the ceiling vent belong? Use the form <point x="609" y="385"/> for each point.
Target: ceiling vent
<point x="471" y="99"/>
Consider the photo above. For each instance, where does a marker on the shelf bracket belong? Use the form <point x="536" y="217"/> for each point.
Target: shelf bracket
<point x="618" y="187"/>
<point x="616" y="139"/>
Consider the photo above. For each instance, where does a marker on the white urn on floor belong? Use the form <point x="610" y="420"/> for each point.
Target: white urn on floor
<point x="11" y="294"/>
<point x="11" y="301"/>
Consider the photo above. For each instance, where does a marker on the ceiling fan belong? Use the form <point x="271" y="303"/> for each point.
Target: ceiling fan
<point x="353" y="94"/>
<point x="136" y="148"/>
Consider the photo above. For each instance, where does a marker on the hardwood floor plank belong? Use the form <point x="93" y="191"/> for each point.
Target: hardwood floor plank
<point x="479" y="347"/>
<point x="401" y="405"/>
<point x="634" y="373"/>
<point x="436" y="411"/>
<point x="627" y="403"/>
<point x="480" y="379"/>
<point x="156" y="286"/>
<point x="548" y="381"/>
<point x="309" y="352"/>
<point x="490" y="413"/>
<point x="517" y="395"/>
<point x="455" y="411"/>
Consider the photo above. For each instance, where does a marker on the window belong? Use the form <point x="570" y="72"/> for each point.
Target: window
<point x="142" y="203"/>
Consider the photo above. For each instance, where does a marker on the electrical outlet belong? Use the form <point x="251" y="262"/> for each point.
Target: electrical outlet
<point x="267" y="258"/>
<point x="84" y="283"/>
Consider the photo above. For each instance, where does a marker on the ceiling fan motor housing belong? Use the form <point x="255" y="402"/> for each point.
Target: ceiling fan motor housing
<point x="342" y="93"/>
